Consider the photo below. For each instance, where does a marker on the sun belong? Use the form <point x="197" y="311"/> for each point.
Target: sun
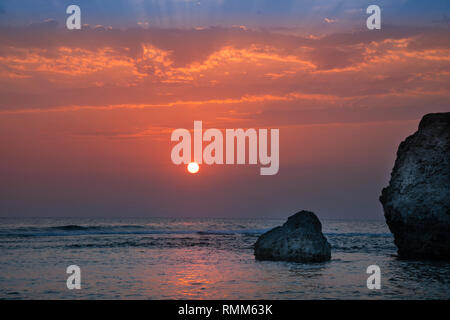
<point x="193" y="167"/>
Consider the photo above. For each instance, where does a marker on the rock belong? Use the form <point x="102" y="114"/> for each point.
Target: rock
<point x="417" y="201"/>
<point x="300" y="239"/>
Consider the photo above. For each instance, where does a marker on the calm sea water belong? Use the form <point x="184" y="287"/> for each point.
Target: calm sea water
<point x="201" y="259"/>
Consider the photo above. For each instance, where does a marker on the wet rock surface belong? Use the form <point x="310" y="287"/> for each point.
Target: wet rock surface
<point x="300" y="239"/>
<point x="417" y="201"/>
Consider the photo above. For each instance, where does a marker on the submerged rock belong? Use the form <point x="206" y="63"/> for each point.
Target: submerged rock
<point x="417" y="201"/>
<point x="300" y="239"/>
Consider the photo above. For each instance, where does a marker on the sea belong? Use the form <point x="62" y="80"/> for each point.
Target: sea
<point x="179" y="258"/>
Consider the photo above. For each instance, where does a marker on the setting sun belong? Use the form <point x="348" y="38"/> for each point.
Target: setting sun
<point x="193" y="167"/>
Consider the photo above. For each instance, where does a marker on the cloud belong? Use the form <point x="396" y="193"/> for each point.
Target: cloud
<point x="47" y="69"/>
<point x="329" y="21"/>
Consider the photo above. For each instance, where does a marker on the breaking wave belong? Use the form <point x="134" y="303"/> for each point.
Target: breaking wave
<point x="77" y="230"/>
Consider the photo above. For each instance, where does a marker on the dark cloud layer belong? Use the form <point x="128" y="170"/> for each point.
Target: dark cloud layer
<point x="174" y="50"/>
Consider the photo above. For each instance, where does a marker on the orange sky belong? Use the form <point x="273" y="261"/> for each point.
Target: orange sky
<point x="86" y="117"/>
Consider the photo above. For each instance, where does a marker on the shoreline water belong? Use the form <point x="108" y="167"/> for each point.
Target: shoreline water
<point x="201" y="259"/>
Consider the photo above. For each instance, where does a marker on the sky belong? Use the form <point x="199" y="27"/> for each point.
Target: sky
<point x="86" y="115"/>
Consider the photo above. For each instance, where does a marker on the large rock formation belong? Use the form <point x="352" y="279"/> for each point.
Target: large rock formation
<point x="417" y="201"/>
<point x="300" y="239"/>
